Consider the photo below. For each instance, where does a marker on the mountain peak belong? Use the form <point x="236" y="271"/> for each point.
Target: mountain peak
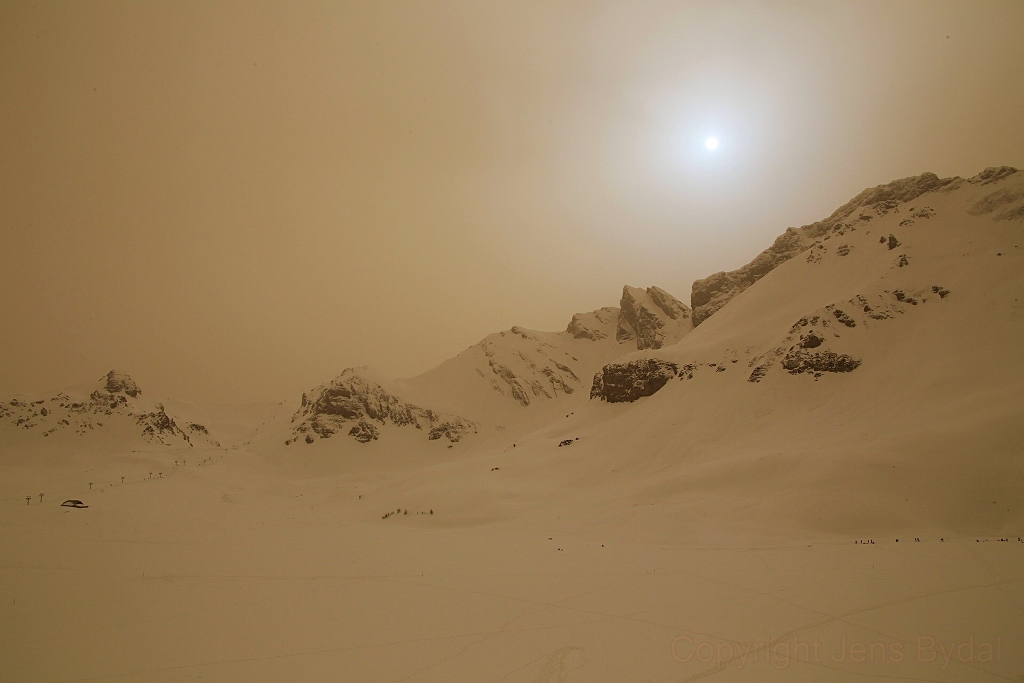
<point x="359" y="401"/>
<point x="120" y="382"/>
<point x="653" y="317"/>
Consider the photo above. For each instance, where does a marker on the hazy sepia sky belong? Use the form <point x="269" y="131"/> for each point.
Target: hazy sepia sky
<point x="235" y="201"/>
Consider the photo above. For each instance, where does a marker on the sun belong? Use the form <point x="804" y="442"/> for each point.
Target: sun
<point x="711" y="143"/>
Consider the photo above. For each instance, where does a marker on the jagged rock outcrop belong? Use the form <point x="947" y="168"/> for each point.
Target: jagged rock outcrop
<point x="799" y="361"/>
<point x="159" y="425"/>
<point x="108" y="400"/>
<point x="652" y="317"/>
<point x="711" y="293"/>
<point x="117" y="397"/>
<point x="121" y="382"/>
<point x="627" y="382"/>
<point x="530" y="368"/>
<point x="992" y="174"/>
<point x="804" y="349"/>
<point x="453" y="431"/>
<point x="364" y="432"/>
<point x="356" y="397"/>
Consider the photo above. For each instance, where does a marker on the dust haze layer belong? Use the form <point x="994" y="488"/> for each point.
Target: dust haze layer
<point x="194" y="191"/>
<point x="829" y="460"/>
<point x="818" y="367"/>
<point x="253" y="260"/>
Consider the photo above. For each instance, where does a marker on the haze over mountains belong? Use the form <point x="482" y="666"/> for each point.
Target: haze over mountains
<point x="114" y="405"/>
<point x="493" y="382"/>
<point x="512" y="342"/>
<point x="864" y="328"/>
<point x="820" y="445"/>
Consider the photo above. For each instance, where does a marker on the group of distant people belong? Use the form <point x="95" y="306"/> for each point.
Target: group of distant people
<point x="871" y="541"/>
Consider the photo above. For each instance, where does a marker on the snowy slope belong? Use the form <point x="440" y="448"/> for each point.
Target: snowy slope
<point x="510" y="380"/>
<point x="870" y="379"/>
<point x="711" y="293"/>
<point x="551" y="370"/>
<point x="874" y="381"/>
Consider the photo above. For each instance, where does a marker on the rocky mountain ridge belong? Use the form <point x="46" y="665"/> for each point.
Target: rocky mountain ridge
<point x="652" y="317"/>
<point x="495" y="378"/>
<point x="116" y="396"/>
<point x="820" y="342"/>
<point x="617" y="353"/>
<point x="711" y="293"/>
<point x="357" y="404"/>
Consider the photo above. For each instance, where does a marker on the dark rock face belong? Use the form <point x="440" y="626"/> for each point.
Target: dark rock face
<point x="364" y="432"/>
<point x="992" y="174"/>
<point x="902" y="296"/>
<point x="799" y="361"/>
<point x="108" y="400"/>
<point x="652" y="317"/>
<point x="804" y="348"/>
<point x="893" y="242"/>
<point x="843" y="317"/>
<point x="758" y="373"/>
<point x="453" y="431"/>
<point x="355" y="398"/>
<point x="159" y="424"/>
<point x="627" y="382"/>
<point x="352" y="397"/>
<point x="713" y="292"/>
<point x="120" y="382"/>
<point x="811" y="341"/>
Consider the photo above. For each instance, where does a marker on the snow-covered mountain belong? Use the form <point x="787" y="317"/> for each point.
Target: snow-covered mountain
<point x="824" y="301"/>
<point x="856" y="272"/>
<point x="866" y="378"/>
<point x="864" y="372"/>
<point x="711" y="293"/>
<point x="513" y="378"/>
<point x="114" y="405"/>
<point x="870" y="375"/>
<point x="359" y="400"/>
